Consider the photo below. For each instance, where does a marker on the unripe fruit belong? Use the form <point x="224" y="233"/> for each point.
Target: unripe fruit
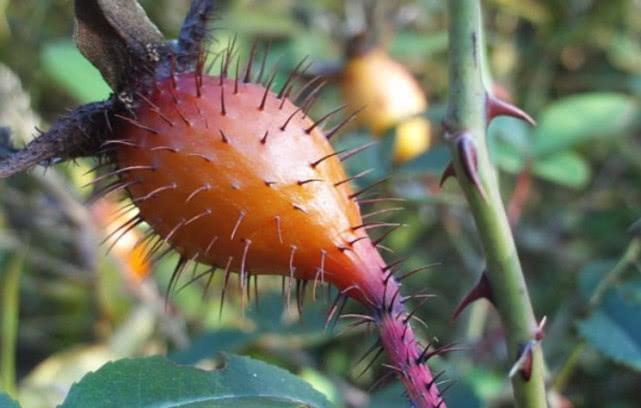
<point x="391" y="97"/>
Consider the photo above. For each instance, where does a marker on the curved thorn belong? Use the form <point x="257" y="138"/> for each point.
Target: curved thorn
<point x="450" y="171"/>
<point x="469" y="161"/>
<point x="481" y="289"/>
<point x="497" y="107"/>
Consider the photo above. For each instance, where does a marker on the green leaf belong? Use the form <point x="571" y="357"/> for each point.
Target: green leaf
<point x="566" y="168"/>
<point x="580" y="118"/>
<point x="615" y="329"/>
<point x="66" y="66"/>
<point x="6" y="402"/>
<point x="409" y="43"/>
<point x="155" y="381"/>
<point x="509" y="143"/>
<point x="591" y="274"/>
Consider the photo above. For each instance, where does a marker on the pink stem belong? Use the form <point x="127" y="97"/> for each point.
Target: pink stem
<point x="405" y="354"/>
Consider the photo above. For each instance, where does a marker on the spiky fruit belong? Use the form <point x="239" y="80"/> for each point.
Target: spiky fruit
<point x="391" y="97"/>
<point x="232" y="175"/>
<point x="240" y="175"/>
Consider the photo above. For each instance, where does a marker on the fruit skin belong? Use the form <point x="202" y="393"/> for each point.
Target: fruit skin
<point x="210" y="182"/>
<point x="391" y="96"/>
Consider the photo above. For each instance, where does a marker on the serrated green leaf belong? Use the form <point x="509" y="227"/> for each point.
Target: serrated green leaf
<point x="580" y="118"/>
<point x="6" y="402"/>
<point x="157" y="382"/>
<point x="66" y="66"/>
<point x="615" y="329"/>
<point x="566" y="168"/>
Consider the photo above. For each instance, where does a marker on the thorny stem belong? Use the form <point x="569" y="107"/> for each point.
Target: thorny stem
<point x="404" y="352"/>
<point x="467" y="113"/>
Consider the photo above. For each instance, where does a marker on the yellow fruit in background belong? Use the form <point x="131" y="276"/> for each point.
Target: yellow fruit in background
<point x="391" y="97"/>
<point x="413" y="137"/>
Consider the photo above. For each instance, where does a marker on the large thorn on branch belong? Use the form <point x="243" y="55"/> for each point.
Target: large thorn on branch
<point x="497" y="107"/>
<point x="525" y="357"/>
<point x="449" y="171"/>
<point x="469" y="161"/>
<point x="79" y="133"/>
<point x="481" y="289"/>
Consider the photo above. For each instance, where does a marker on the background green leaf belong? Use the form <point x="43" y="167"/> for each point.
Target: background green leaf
<point x="156" y="381"/>
<point x="64" y="64"/>
<point x="566" y="168"/>
<point x="6" y="402"/>
<point x="579" y="118"/>
<point x="615" y="328"/>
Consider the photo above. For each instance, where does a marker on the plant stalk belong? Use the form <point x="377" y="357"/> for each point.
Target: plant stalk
<point x="467" y="112"/>
<point x="10" y="302"/>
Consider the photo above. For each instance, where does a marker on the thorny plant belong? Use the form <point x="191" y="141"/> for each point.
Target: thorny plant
<point x="471" y="109"/>
<point x="173" y="136"/>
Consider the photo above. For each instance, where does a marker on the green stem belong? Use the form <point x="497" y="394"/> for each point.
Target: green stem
<point x="467" y="113"/>
<point x="568" y="367"/>
<point x="632" y="254"/>
<point x="10" y="302"/>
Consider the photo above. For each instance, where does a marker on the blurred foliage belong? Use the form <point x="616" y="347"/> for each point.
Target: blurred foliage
<point x="571" y="186"/>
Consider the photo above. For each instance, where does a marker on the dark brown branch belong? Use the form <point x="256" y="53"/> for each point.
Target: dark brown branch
<point x="117" y="37"/>
<point x="79" y="133"/>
